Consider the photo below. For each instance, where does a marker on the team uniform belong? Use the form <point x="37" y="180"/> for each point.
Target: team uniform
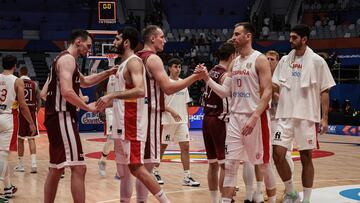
<point x="245" y="90"/>
<point x="110" y="88"/>
<point x="172" y="130"/>
<point x="8" y="115"/>
<point x="298" y="110"/>
<point x="61" y="122"/>
<point x="156" y="101"/>
<point x="30" y="88"/>
<point x="216" y="112"/>
<point x="130" y="122"/>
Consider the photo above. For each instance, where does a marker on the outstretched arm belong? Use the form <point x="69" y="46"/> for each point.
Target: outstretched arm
<point x="136" y="70"/>
<point x="66" y="67"/>
<point x="88" y="81"/>
<point x="156" y="68"/>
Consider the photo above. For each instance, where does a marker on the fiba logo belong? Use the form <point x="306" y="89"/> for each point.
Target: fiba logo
<point x="277" y="136"/>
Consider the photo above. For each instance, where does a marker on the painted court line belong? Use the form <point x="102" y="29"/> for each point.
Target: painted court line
<point x="170" y="192"/>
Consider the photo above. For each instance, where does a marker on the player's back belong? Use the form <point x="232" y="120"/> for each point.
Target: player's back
<point x="215" y="105"/>
<point x="7" y="93"/>
<point x="30" y="93"/>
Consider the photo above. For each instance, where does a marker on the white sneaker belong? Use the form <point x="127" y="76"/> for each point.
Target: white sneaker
<point x="102" y="168"/>
<point x="258" y="197"/>
<point x="291" y="198"/>
<point x="158" y="177"/>
<point x="189" y="181"/>
<point x="19" y="168"/>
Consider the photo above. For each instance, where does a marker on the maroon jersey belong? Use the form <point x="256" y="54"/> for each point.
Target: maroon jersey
<point x="215" y="105"/>
<point x="30" y="93"/>
<point x="55" y="102"/>
<point x="156" y="101"/>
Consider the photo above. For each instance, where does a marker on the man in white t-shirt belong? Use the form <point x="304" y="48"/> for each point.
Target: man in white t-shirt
<point x="303" y="79"/>
<point x="175" y="124"/>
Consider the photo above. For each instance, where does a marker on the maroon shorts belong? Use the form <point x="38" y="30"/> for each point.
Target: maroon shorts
<point x="214" y="133"/>
<point x="24" y="129"/>
<point x="64" y="140"/>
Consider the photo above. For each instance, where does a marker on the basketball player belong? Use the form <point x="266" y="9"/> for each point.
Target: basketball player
<point x="248" y="130"/>
<point x="109" y="87"/>
<point x="304" y="80"/>
<point x="61" y="116"/>
<point x="158" y="83"/>
<point x="274" y="58"/>
<point x="130" y="105"/>
<point x="216" y="112"/>
<point x="177" y="130"/>
<point x="11" y="89"/>
<point x="32" y="99"/>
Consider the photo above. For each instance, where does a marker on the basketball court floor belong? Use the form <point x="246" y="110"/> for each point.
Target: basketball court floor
<point x="337" y="174"/>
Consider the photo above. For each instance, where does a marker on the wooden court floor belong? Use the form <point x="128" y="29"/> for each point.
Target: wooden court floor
<point x="342" y="168"/>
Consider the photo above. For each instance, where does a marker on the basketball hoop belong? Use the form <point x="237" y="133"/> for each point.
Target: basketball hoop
<point x="111" y="59"/>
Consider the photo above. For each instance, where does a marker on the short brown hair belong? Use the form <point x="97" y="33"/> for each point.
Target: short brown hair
<point x="248" y="27"/>
<point x="149" y="31"/>
<point x="23" y="70"/>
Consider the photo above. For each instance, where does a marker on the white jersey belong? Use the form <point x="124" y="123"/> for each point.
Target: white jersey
<point x="245" y="87"/>
<point x="177" y="101"/>
<point x="110" y="88"/>
<point x="7" y="93"/>
<point x="130" y="115"/>
<point x="296" y="101"/>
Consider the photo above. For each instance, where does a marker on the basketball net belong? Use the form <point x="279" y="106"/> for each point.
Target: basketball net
<point x="111" y="59"/>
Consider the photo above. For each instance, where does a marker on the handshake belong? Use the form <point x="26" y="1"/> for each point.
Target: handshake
<point x="100" y="105"/>
<point x="201" y="72"/>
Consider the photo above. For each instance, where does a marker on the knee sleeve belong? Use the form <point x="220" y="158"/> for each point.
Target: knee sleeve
<point x="4" y="164"/>
<point x="126" y="182"/>
<point x="248" y="173"/>
<point x="269" y="178"/>
<point x="231" y="168"/>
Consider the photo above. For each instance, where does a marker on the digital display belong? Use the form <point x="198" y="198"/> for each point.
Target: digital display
<point x="107" y="12"/>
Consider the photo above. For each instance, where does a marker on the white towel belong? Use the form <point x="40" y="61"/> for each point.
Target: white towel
<point x="308" y="72"/>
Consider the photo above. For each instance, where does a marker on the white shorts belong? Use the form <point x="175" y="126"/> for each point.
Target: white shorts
<point x="304" y="132"/>
<point x="6" y="131"/>
<point x="175" y="132"/>
<point x="129" y="151"/>
<point x="255" y="147"/>
<point x="109" y="121"/>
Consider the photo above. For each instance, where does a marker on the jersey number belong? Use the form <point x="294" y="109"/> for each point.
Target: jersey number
<point x="238" y="82"/>
<point x="3" y="95"/>
<point x="28" y="95"/>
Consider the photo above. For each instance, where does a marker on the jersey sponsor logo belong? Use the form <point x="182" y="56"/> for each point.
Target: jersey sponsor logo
<point x="180" y="93"/>
<point x="296" y="74"/>
<point x="248" y="65"/>
<point x="241" y="94"/>
<point x="167" y="137"/>
<point x="90" y="118"/>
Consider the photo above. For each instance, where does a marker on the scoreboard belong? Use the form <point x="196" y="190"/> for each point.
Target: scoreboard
<point x="107" y="11"/>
